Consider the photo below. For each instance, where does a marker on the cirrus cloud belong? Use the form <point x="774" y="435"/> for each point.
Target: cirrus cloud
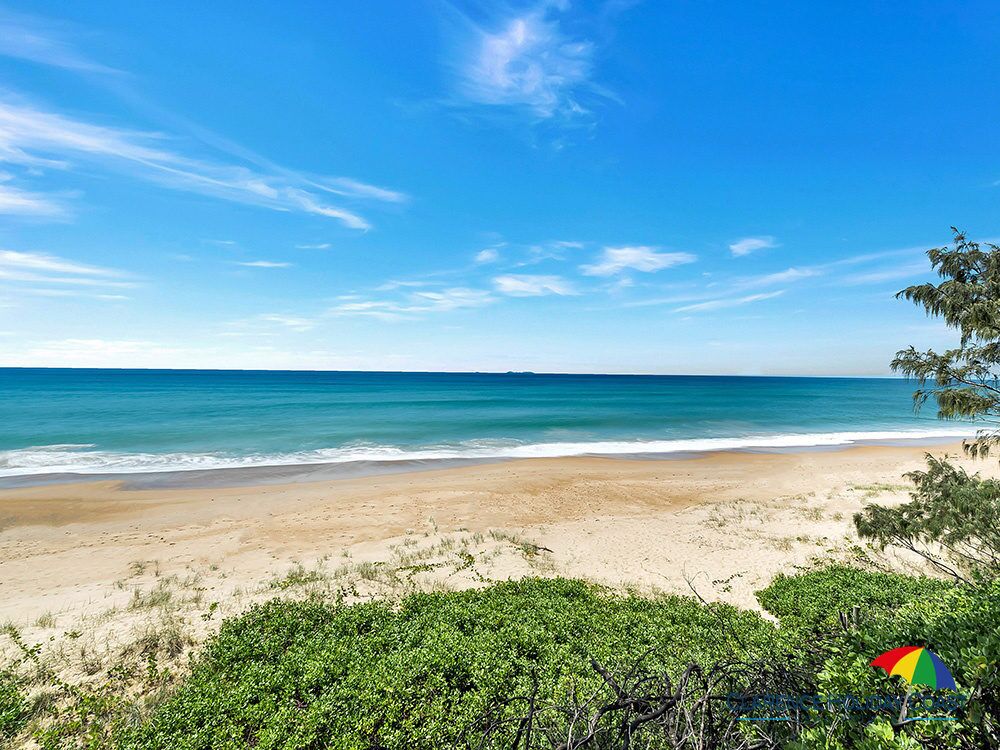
<point x="412" y="305"/>
<point x="721" y="304"/>
<point x="263" y="264"/>
<point x="33" y="137"/>
<point x="748" y="245"/>
<point x="24" y="203"/>
<point x="636" y="258"/>
<point x="527" y="61"/>
<point x="530" y="285"/>
<point x="38" y="40"/>
<point x="40" y="274"/>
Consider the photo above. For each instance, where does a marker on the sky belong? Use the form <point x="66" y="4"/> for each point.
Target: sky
<point x="646" y="187"/>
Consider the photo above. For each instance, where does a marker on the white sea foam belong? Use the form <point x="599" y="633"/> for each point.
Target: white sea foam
<point x="84" y="459"/>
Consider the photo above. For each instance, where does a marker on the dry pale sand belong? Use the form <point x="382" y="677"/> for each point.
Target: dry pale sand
<point x="725" y="523"/>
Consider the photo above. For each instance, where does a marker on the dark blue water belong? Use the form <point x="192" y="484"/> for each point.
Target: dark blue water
<point x="55" y="420"/>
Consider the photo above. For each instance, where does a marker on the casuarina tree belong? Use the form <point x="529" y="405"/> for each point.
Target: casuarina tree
<point x="953" y="520"/>
<point x="963" y="381"/>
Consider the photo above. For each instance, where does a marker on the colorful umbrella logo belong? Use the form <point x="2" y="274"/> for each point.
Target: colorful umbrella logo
<point x="918" y="666"/>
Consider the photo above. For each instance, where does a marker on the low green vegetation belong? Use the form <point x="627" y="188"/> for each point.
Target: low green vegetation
<point x="464" y="669"/>
<point x="310" y="675"/>
<point x="13" y="707"/>
<point x="843" y="617"/>
<point x="818" y="600"/>
<point x="467" y="669"/>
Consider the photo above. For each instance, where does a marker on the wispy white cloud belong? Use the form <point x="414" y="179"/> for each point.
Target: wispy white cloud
<point x="413" y="305"/>
<point x="546" y="251"/>
<point x="912" y="261"/>
<point x="528" y="61"/>
<point x="53" y="264"/>
<point x="891" y="273"/>
<point x="315" y="246"/>
<point x="44" y="42"/>
<point x="308" y="203"/>
<point x="748" y="245"/>
<point x="779" y="277"/>
<point x="619" y="285"/>
<point x="488" y="255"/>
<point x="528" y="285"/>
<point x="637" y="258"/>
<point x="909" y="262"/>
<point x="378" y="309"/>
<point x="43" y="275"/>
<point x="453" y="299"/>
<point x="15" y="202"/>
<point x="30" y="136"/>
<point x="53" y="43"/>
<point x="264" y="324"/>
<point x="8" y="274"/>
<point x="75" y="291"/>
<point x="357" y="189"/>
<point x="720" y="304"/>
<point x="392" y="284"/>
<point x="673" y="299"/>
<point x="263" y="264"/>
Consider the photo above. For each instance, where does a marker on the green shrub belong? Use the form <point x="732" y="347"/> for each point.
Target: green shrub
<point x="813" y="601"/>
<point x="12" y="705"/>
<point x="293" y="675"/>
<point x="953" y="521"/>
<point x="427" y="673"/>
<point x="957" y="622"/>
<point x="962" y="626"/>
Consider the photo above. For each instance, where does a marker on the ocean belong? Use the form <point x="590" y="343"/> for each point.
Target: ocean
<point x="108" y="422"/>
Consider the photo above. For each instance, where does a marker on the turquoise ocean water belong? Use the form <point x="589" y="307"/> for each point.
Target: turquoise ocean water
<point x="127" y="421"/>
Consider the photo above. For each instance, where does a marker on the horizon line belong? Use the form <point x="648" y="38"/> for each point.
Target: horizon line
<point x="447" y="372"/>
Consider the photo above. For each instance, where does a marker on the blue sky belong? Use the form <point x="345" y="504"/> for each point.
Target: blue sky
<point x="663" y="187"/>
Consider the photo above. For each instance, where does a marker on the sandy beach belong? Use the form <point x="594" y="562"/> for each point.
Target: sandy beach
<point x="103" y="578"/>
<point x="724" y="523"/>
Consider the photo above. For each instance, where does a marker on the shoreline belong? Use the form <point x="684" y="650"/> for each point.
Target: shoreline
<point x="265" y="473"/>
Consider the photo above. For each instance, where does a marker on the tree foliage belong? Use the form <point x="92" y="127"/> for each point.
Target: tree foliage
<point x="953" y="521"/>
<point x="964" y="381"/>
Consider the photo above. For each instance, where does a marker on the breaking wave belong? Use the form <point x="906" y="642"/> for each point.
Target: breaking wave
<point x="87" y="459"/>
